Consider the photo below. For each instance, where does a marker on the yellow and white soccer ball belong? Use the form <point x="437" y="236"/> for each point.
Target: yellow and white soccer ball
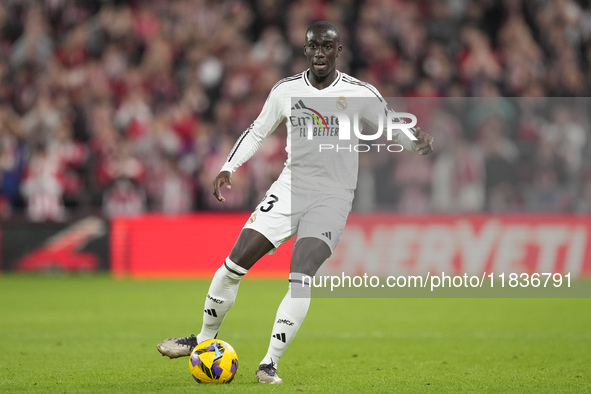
<point x="213" y="361"/>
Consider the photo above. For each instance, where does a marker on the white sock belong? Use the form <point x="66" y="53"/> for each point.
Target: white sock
<point x="290" y="315"/>
<point x="220" y="298"/>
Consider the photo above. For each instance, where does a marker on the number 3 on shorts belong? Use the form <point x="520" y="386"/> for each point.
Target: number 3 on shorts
<point x="270" y="203"/>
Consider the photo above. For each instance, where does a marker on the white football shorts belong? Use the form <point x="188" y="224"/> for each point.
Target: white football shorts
<point x="287" y="210"/>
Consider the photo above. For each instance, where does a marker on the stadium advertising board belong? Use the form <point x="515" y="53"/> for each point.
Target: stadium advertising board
<point x="460" y="256"/>
<point x="70" y="247"/>
<point x="182" y="246"/>
<point x="372" y="244"/>
<point x="389" y="244"/>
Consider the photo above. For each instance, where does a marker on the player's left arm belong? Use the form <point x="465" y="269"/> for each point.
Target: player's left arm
<point x="424" y="142"/>
<point x="376" y="107"/>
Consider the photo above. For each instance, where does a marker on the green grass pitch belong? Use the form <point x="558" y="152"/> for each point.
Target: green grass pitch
<point x="95" y="334"/>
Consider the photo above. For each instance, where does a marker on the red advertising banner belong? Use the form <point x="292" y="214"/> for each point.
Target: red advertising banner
<point x="376" y="244"/>
<point x="183" y="246"/>
<point x="393" y="244"/>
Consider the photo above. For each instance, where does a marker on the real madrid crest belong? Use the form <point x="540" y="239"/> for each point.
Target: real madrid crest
<point x="341" y="103"/>
<point x="252" y="218"/>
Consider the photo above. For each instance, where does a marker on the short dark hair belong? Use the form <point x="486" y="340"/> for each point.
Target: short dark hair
<point x="326" y="26"/>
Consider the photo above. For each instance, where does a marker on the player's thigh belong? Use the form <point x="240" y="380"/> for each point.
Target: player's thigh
<point x="273" y="216"/>
<point x="326" y="217"/>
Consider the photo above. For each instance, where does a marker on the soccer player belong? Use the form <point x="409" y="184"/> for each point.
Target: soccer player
<point x="321" y="195"/>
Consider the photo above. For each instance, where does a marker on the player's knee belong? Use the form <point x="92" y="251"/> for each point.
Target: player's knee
<point x="241" y="259"/>
<point x="249" y="248"/>
<point x="306" y="268"/>
<point x="309" y="255"/>
<point x="230" y="269"/>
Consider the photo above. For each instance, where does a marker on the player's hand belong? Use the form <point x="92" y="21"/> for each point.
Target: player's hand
<point x="424" y="142"/>
<point x="223" y="178"/>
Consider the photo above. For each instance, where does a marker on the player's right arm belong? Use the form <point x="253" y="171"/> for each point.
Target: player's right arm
<point x="250" y="141"/>
<point x="223" y="178"/>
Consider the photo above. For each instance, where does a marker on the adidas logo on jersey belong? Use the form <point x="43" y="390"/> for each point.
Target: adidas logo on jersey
<point x="281" y="337"/>
<point x="211" y="312"/>
<point x="327" y="235"/>
<point x="299" y="105"/>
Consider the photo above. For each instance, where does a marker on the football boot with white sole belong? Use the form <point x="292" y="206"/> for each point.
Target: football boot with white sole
<point x="267" y="373"/>
<point x="177" y="347"/>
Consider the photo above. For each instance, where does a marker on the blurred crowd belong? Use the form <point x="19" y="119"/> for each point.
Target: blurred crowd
<point x="123" y="107"/>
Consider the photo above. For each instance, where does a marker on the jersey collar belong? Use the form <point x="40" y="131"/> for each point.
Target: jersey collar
<point x="336" y="80"/>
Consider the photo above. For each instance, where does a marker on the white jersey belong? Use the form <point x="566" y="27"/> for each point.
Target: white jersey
<point x="306" y="165"/>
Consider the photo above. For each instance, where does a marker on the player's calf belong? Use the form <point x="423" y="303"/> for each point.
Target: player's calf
<point x="219" y="300"/>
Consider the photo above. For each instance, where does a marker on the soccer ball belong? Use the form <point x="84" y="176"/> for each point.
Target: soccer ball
<point x="213" y="361"/>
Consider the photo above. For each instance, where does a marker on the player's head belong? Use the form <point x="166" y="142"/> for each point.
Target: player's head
<point x="326" y="26"/>
<point x="323" y="46"/>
